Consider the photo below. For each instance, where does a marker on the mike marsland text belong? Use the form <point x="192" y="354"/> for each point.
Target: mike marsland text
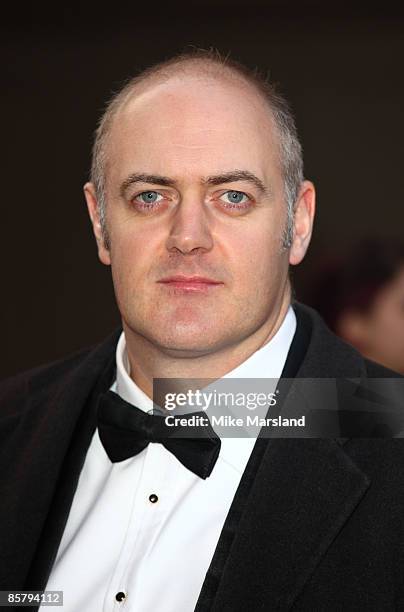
<point x="231" y="421"/>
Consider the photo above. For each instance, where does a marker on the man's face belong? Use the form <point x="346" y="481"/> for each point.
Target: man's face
<point x="194" y="189"/>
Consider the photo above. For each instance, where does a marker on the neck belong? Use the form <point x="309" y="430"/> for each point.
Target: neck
<point x="155" y="363"/>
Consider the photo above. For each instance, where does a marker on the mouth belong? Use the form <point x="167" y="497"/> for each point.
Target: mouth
<point x="190" y="284"/>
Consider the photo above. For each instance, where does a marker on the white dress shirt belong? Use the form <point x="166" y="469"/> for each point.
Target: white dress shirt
<point x="144" y="530"/>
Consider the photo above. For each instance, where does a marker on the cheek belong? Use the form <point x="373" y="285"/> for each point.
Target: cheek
<point x="259" y="272"/>
<point x="258" y="256"/>
<point x="132" y="256"/>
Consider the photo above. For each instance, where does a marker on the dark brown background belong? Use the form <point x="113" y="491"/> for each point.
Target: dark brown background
<point x="342" y="71"/>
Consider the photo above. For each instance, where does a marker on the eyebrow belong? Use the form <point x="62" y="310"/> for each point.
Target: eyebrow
<point x="234" y="176"/>
<point x="217" y="179"/>
<point x="153" y="179"/>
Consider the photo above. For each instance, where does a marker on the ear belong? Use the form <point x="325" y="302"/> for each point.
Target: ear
<point x="93" y="211"/>
<point x="303" y="222"/>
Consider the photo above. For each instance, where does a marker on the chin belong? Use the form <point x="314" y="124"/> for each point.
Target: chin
<point x="183" y="336"/>
<point x="181" y="342"/>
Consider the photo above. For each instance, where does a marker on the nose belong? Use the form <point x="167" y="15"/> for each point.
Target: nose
<point x="190" y="231"/>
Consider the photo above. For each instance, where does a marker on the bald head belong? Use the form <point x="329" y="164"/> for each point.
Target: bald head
<point x="210" y="72"/>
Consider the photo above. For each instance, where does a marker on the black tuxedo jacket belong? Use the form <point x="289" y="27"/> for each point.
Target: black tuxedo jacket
<point x="316" y="524"/>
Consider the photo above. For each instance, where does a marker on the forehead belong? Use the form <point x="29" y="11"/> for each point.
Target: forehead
<point x="194" y="123"/>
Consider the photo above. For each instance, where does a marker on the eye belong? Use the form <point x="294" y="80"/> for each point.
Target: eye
<point x="148" y="197"/>
<point x="235" y="199"/>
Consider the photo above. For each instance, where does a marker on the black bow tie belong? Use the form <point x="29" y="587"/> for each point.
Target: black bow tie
<point x="125" y="431"/>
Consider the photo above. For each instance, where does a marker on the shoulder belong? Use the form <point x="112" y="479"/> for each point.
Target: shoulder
<point x="15" y="390"/>
<point x="375" y="370"/>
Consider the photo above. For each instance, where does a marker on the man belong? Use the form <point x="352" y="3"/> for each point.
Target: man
<point x="198" y="204"/>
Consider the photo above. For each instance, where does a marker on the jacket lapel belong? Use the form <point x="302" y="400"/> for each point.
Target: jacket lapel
<point x="294" y="496"/>
<point x="302" y="495"/>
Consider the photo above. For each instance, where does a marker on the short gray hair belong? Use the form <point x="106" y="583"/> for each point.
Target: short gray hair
<point x="211" y="62"/>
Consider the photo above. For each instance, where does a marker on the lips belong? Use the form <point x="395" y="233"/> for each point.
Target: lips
<point x="190" y="279"/>
<point x="190" y="283"/>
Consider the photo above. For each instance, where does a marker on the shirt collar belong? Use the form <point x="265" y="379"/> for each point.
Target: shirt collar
<point x="266" y="362"/>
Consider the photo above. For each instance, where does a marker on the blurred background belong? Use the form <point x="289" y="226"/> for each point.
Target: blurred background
<point x="340" y="66"/>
